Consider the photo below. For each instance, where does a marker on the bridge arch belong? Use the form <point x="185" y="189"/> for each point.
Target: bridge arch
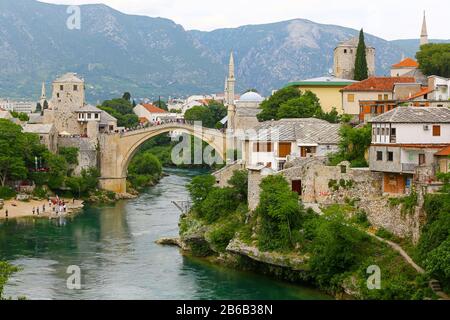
<point x="117" y="150"/>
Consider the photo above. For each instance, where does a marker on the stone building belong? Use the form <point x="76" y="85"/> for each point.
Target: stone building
<point x="48" y="136"/>
<point x="345" y="56"/>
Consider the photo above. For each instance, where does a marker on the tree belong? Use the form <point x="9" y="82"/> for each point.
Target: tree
<point x="336" y="248"/>
<point x="353" y="145"/>
<point x="45" y="106"/>
<point x="122" y="110"/>
<point x="239" y="182"/>
<point x="270" y="106"/>
<point x="70" y="154"/>
<point x="38" y="107"/>
<point x="20" y="115"/>
<point x="160" y="104"/>
<point x="58" y="167"/>
<point x="126" y="96"/>
<point x="218" y="204"/>
<point x="361" y="71"/>
<point x="12" y="146"/>
<point x="202" y="114"/>
<point x="434" y="59"/>
<point x="279" y="212"/>
<point x="200" y="187"/>
<point x="305" y="106"/>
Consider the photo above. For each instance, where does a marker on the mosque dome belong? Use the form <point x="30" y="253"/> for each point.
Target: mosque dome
<point x="251" y="97"/>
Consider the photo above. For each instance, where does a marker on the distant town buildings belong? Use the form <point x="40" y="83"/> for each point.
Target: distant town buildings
<point x="153" y="114"/>
<point x="18" y="106"/>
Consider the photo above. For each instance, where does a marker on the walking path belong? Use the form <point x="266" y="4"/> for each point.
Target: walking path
<point x="316" y="208"/>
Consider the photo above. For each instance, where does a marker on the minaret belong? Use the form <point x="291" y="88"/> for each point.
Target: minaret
<point x="229" y="94"/>
<point x="424" y="33"/>
<point x="43" y="95"/>
<point x="231" y="81"/>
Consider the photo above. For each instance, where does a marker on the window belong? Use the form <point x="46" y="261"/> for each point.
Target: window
<point x="380" y="97"/>
<point x="61" y="87"/>
<point x="262" y="147"/>
<point x="75" y="87"/>
<point x="436" y="131"/>
<point x="383" y="132"/>
<point x="379" y="156"/>
<point x="351" y="97"/>
<point x="386" y="97"/>
<point x="88" y="115"/>
<point x="378" y="131"/>
<point x="284" y="149"/>
<point x="96" y="116"/>
<point x="57" y="94"/>
<point x="345" y="50"/>
<point x="390" y="156"/>
<point x="421" y="159"/>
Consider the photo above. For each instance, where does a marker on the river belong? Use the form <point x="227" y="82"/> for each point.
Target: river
<point x="114" y="248"/>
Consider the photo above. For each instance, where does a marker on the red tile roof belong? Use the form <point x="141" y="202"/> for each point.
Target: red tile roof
<point x="153" y="109"/>
<point x="378" y="84"/>
<point x="406" y="63"/>
<point x="422" y="92"/>
<point x="443" y="152"/>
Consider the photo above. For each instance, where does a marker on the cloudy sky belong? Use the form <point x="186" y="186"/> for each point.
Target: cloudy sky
<point x="389" y="19"/>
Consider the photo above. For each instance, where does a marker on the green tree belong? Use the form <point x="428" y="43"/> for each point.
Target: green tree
<point x="361" y="71"/>
<point x="353" y="145"/>
<point x="70" y="154"/>
<point x="271" y="105"/>
<point x="144" y="169"/>
<point x="45" y="106"/>
<point x="209" y="115"/>
<point x="12" y="146"/>
<point x="200" y="187"/>
<point x="219" y="203"/>
<point x="58" y="167"/>
<point x="336" y="248"/>
<point x="122" y="110"/>
<point x="280" y="214"/>
<point x="160" y="104"/>
<point x="126" y="96"/>
<point x="438" y="262"/>
<point x="434" y="59"/>
<point x="38" y="108"/>
<point x="239" y="182"/>
<point x="305" y="106"/>
<point x="20" y="115"/>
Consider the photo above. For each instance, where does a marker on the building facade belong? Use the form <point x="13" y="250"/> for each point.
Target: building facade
<point x="404" y="143"/>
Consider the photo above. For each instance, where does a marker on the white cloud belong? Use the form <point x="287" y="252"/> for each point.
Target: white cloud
<point x="389" y="19"/>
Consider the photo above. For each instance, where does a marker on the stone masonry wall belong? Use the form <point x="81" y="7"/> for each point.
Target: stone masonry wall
<point x="87" y="155"/>
<point x="327" y="185"/>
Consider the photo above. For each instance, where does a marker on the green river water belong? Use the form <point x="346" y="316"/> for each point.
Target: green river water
<point x="115" y="250"/>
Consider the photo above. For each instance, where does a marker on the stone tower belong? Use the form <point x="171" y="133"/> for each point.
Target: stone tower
<point x="424" y="33"/>
<point x="67" y="98"/>
<point x="345" y="56"/>
<point x="229" y="94"/>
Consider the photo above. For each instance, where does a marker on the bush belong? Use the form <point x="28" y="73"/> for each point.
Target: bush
<point x="385" y="234"/>
<point x="239" y="181"/>
<point x="221" y="236"/>
<point x="280" y="213"/>
<point x="200" y="187"/>
<point x="337" y="249"/>
<point x="6" y="270"/>
<point x="7" y="193"/>
<point x="40" y="193"/>
<point x="219" y="203"/>
<point x="438" y="262"/>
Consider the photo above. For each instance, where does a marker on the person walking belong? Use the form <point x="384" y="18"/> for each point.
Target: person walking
<point x="43" y="208"/>
<point x="33" y="211"/>
<point x="37" y="210"/>
<point x="6" y="213"/>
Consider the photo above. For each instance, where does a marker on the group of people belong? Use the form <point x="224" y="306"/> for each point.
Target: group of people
<point x="156" y="123"/>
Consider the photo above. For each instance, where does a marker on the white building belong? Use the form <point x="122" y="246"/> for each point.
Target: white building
<point x="153" y="114"/>
<point x="18" y="106"/>
<point x="404" y="143"/>
<point x="272" y="143"/>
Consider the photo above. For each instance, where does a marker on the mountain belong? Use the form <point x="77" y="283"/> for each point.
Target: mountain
<point x="116" y="52"/>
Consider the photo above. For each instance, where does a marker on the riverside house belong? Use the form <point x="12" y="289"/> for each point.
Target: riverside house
<point x="406" y="142"/>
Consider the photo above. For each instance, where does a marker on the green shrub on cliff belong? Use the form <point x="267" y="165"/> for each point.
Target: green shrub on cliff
<point x="219" y="203"/>
<point x="6" y="270"/>
<point x="280" y="214"/>
<point x="200" y="187"/>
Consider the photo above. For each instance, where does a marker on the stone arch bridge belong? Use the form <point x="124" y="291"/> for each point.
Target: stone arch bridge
<point x="117" y="150"/>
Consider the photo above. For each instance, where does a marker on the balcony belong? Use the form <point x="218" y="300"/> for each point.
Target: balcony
<point x="409" y="167"/>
